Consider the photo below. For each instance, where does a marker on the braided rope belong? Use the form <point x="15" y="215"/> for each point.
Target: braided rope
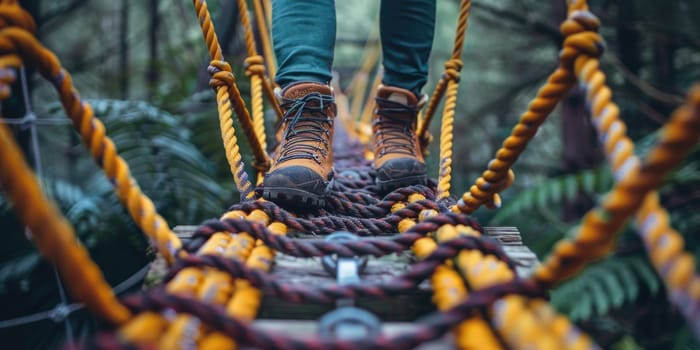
<point x="255" y="70"/>
<point x="221" y="285"/>
<point x="265" y="38"/>
<point x="365" y="122"/>
<point x="229" y="97"/>
<point x="528" y="324"/>
<point x="451" y="74"/>
<point x="446" y="137"/>
<point x="429" y="328"/>
<point x="54" y="236"/>
<point x="221" y="73"/>
<point x="634" y="178"/>
<point x="256" y="67"/>
<point x="92" y="132"/>
<point x="580" y="29"/>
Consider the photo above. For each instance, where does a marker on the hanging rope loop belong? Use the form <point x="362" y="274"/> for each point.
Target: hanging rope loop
<point x="254" y="65"/>
<point x="221" y="74"/>
<point x="582" y="38"/>
<point x="453" y="67"/>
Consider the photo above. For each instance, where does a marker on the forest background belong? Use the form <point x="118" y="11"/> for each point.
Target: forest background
<point x="142" y="66"/>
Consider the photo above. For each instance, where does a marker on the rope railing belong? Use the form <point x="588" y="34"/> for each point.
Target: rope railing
<point x="216" y="282"/>
<point x="54" y="236"/>
<point x="581" y="39"/>
<point x="92" y="132"/>
<point x="634" y="178"/>
<point x="229" y="98"/>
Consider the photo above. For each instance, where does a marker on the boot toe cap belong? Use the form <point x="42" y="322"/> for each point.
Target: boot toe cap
<point x="401" y="168"/>
<point x="296" y="177"/>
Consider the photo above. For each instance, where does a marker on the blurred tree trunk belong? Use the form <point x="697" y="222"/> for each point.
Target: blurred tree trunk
<point x="152" y="75"/>
<point x="124" y="50"/>
<point x="226" y="24"/>
<point x="581" y="149"/>
<point x="664" y="48"/>
<point x="628" y="36"/>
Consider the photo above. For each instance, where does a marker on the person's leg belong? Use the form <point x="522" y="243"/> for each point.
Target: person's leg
<point x="303" y="34"/>
<point x="407" y="28"/>
<point x="302" y="166"/>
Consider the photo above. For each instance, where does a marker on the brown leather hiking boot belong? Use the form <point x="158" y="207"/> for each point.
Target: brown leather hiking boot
<point x="397" y="156"/>
<point x="302" y="166"/>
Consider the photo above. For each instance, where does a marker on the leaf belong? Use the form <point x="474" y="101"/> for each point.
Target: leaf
<point x="627" y="279"/>
<point x="553" y="192"/>
<point x="600" y="299"/>
<point x="613" y="287"/>
<point x="588" y="181"/>
<point x="647" y="274"/>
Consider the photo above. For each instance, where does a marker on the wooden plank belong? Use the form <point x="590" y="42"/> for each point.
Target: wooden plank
<point x="400" y="308"/>
<point x="293" y="270"/>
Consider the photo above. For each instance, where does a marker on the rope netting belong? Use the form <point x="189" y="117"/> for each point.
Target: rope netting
<point x="216" y="282"/>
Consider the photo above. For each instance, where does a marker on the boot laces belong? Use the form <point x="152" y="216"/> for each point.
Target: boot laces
<point x="395" y="132"/>
<point x="307" y="125"/>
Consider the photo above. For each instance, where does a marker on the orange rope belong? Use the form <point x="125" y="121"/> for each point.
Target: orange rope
<point x="53" y="235"/>
<point x="92" y="131"/>
<point x="265" y="38"/>
<point x="635" y="178"/>
<point x="581" y="40"/>
<point x="451" y="73"/>
<point x="224" y="80"/>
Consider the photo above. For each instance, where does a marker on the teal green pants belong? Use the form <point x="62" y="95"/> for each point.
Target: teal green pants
<point x="303" y="32"/>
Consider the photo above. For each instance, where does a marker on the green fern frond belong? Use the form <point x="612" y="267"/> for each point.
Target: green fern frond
<point x="605" y="286"/>
<point x="555" y="191"/>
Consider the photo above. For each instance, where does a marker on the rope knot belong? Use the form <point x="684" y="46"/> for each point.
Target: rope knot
<point x="581" y="37"/>
<point x="12" y="15"/>
<point x="453" y="67"/>
<point x="254" y="65"/>
<point x="221" y="74"/>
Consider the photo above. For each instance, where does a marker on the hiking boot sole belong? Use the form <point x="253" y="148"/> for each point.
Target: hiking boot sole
<point x="293" y="198"/>
<point x="390" y="185"/>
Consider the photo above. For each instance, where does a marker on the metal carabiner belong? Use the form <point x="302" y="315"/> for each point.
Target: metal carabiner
<point x="349" y="322"/>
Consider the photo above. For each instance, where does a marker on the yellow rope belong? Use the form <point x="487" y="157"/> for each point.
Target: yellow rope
<point x="446" y="140"/>
<point x="635" y="179"/>
<point x="265" y="38"/>
<point x="92" y="131"/>
<point x="581" y="39"/>
<point x="533" y="324"/>
<point x="53" y="235"/>
<point x="223" y="79"/>
<point x="451" y="74"/>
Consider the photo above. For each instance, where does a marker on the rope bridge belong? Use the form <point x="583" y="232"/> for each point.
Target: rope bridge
<point x="216" y="280"/>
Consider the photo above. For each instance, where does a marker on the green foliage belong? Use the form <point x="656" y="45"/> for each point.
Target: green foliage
<point x="554" y="192"/>
<point x="168" y="167"/>
<point x="606" y="285"/>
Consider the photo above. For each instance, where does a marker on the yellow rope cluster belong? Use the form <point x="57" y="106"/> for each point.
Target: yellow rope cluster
<point x="237" y="297"/>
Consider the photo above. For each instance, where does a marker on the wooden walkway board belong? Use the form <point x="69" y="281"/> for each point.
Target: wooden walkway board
<point x="396" y="312"/>
<point x="405" y="307"/>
